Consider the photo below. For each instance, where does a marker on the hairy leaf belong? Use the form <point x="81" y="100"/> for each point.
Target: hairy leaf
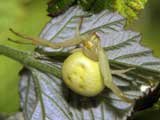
<point x="45" y="97"/>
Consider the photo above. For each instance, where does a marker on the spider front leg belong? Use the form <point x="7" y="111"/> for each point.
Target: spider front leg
<point x="38" y="41"/>
<point x="107" y="76"/>
<point x="76" y="40"/>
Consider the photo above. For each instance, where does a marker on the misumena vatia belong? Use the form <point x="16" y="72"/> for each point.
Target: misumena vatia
<point x="87" y="70"/>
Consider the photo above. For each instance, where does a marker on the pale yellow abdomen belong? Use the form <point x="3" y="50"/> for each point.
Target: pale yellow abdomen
<point x="82" y="75"/>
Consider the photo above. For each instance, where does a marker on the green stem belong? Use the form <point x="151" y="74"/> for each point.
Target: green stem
<point x="28" y="60"/>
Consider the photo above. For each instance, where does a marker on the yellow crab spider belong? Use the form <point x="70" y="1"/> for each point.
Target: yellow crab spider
<point x="86" y="71"/>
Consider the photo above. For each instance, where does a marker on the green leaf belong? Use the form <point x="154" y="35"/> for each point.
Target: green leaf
<point x="44" y="96"/>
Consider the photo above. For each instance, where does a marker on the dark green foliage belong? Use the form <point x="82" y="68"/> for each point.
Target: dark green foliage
<point x="128" y="8"/>
<point x="94" y="5"/>
<point x="58" y="6"/>
<point x="100" y="5"/>
<point x="87" y="4"/>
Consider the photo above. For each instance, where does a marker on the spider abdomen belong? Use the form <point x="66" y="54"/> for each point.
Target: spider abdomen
<point x="82" y="75"/>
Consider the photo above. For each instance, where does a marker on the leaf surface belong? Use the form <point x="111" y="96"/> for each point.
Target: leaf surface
<point x="45" y="97"/>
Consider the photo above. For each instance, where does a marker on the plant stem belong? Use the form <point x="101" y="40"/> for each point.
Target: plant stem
<point x="29" y="60"/>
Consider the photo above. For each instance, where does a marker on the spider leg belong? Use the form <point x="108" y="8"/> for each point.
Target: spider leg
<point x="67" y="43"/>
<point x="106" y="74"/>
<point x="39" y="41"/>
<point x="19" y="42"/>
<point x="119" y="72"/>
<point x="33" y="39"/>
<point x="79" y="27"/>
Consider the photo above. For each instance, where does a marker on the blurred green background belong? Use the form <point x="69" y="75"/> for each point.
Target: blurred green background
<point x="149" y="25"/>
<point x="30" y="16"/>
<point x="27" y="16"/>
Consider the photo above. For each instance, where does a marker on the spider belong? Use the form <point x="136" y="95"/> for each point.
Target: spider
<point x="74" y="75"/>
